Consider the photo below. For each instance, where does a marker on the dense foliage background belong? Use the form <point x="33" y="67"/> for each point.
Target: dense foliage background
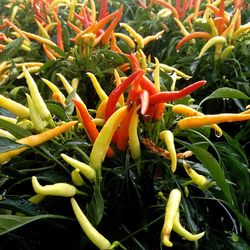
<point x="125" y="205"/>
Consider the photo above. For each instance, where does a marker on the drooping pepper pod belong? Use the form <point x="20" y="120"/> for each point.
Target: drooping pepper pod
<point x="103" y="140"/>
<point x="168" y="137"/>
<point x="96" y="238"/>
<point x="188" y="111"/>
<point x="14" y="107"/>
<point x="57" y="189"/>
<point x="134" y="142"/>
<point x="171" y="210"/>
<point x="199" y="121"/>
<point x="77" y="178"/>
<point x="35" y="95"/>
<point x="198" y="179"/>
<point x="179" y="229"/>
<point x="7" y="134"/>
<point x="85" y="169"/>
<point x="35" y="140"/>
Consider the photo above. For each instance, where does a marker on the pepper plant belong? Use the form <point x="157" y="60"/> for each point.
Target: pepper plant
<point x="109" y="136"/>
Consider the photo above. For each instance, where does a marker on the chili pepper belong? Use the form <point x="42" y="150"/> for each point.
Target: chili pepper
<point x="134" y="142"/>
<point x="148" y="39"/>
<point x="157" y="75"/>
<point x="42" y="30"/>
<point x="76" y="177"/>
<point x="198" y="179"/>
<point x="122" y="132"/>
<point x="199" y="121"/>
<point x="167" y="5"/>
<point x="179" y="229"/>
<point x="212" y="42"/>
<point x="198" y="34"/>
<point x="35" y="140"/>
<point x="100" y="92"/>
<point x="166" y="96"/>
<point x="137" y="37"/>
<point x="188" y="111"/>
<point x="108" y="32"/>
<point x="147" y="85"/>
<point x="85" y="169"/>
<point x="143" y="60"/>
<point x="48" y="53"/>
<point x="115" y="94"/>
<point x="118" y="82"/>
<point x="172" y="69"/>
<point x="35" y="95"/>
<point x="226" y="52"/>
<point x="240" y="30"/>
<point x="7" y="134"/>
<point x="127" y="39"/>
<point x="37" y="121"/>
<point x="73" y="27"/>
<point x="133" y="94"/>
<point x="14" y="107"/>
<point x="104" y="138"/>
<point x="8" y="119"/>
<point x="213" y="28"/>
<point x="96" y="238"/>
<point x="59" y="36"/>
<point x="100" y="112"/>
<point x="89" y="125"/>
<point x="57" y="189"/>
<point x="134" y="62"/>
<point x="57" y="94"/>
<point x="103" y="10"/>
<point x="171" y="211"/>
<point x="72" y="7"/>
<point x="168" y="137"/>
<point x="159" y="110"/>
<point x="184" y="31"/>
<point x="34" y="69"/>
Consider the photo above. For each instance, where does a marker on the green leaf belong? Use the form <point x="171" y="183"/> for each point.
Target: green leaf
<point x="213" y="167"/>
<point x="11" y="49"/>
<point x="57" y="109"/>
<point x="96" y="206"/>
<point x="226" y="93"/>
<point x="9" y="223"/>
<point x="15" y="130"/>
<point x="8" y="145"/>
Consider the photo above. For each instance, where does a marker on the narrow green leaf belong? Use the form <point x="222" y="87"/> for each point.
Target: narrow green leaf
<point x="11" y="222"/>
<point x="226" y="93"/>
<point x="14" y="129"/>
<point x="7" y="145"/>
<point x="57" y="109"/>
<point x="11" y="49"/>
<point x="213" y="167"/>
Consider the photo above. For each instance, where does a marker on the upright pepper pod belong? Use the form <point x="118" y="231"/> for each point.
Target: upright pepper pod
<point x="168" y="137"/>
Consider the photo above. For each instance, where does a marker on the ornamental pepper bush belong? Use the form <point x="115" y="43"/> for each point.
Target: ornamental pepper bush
<point x="124" y="124"/>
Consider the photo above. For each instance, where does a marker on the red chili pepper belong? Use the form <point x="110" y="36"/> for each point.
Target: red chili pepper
<point x="88" y="124"/>
<point x="166" y="96"/>
<point x="148" y="85"/>
<point x="59" y="35"/>
<point x="122" y="133"/>
<point x="115" y="94"/>
<point x="134" y="62"/>
<point x="103" y="10"/>
<point x="159" y="110"/>
<point x="133" y="94"/>
<point x="144" y="97"/>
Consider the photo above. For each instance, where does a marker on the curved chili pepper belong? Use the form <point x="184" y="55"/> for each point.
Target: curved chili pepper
<point x="59" y="35"/>
<point x="77" y="178"/>
<point x="134" y="62"/>
<point x="89" y="125"/>
<point x="35" y="140"/>
<point x="57" y="189"/>
<point x="172" y="207"/>
<point x="148" y="85"/>
<point x="115" y="94"/>
<point x="98" y="239"/>
<point x="103" y="10"/>
<point x="166" y="96"/>
<point x="168" y="6"/>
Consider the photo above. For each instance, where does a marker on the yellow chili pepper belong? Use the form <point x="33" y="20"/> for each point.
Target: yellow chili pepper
<point x="137" y="37"/>
<point x="36" y="119"/>
<point x="102" y="142"/>
<point x="188" y="111"/>
<point x="184" y="31"/>
<point x="226" y="52"/>
<point x="43" y="32"/>
<point x="157" y="75"/>
<point x="148" y="39"/>
<point x="14" y="107"/>
<point x="93" y="11"/>
<point x="7" y="134"/>
<point x="170" y="214"/>
<point x="33" y="69"/>
<point x="127" y="39"/>
<point x="35" y="95"/>
<point x="211" y="42"/>
<point x="96" y="238"/>
<point x="199" y="121"/>
<point x="134" y="142"/>
<point x="143" y="60"/>
<point x="8" y="119"/>
<point x="99" y="90"/>
<point x="179" y="229"/>
<point x="170" y="69"/>
<point x="118" y="82"/>
<point x="72" y="10"/>
<point x="198" y="179"/>
<point x="168" y="137"/>
<point x="239" y="31"/>
<point x="37" y="198"/>
<point x="55" y="3"/>
<point x="35" y="140"/>
<point x="57" y="189"/>
<point x="100" y="113"/>
<point x="76" y="177"/>
<point x="85" y="169"/>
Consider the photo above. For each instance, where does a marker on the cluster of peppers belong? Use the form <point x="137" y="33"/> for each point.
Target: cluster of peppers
<point x="136" y="99"/>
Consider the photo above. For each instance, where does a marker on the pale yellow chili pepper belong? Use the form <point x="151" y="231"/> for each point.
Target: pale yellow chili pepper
<point x="127" y="39"/>
<point x="7" y="134"/>
<point x="76" y="177"/>
<point x="157" y="75"/>
<point x="118" y="82"/>
<point x="170" y="69"/>
<point x="149" y="39"/>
